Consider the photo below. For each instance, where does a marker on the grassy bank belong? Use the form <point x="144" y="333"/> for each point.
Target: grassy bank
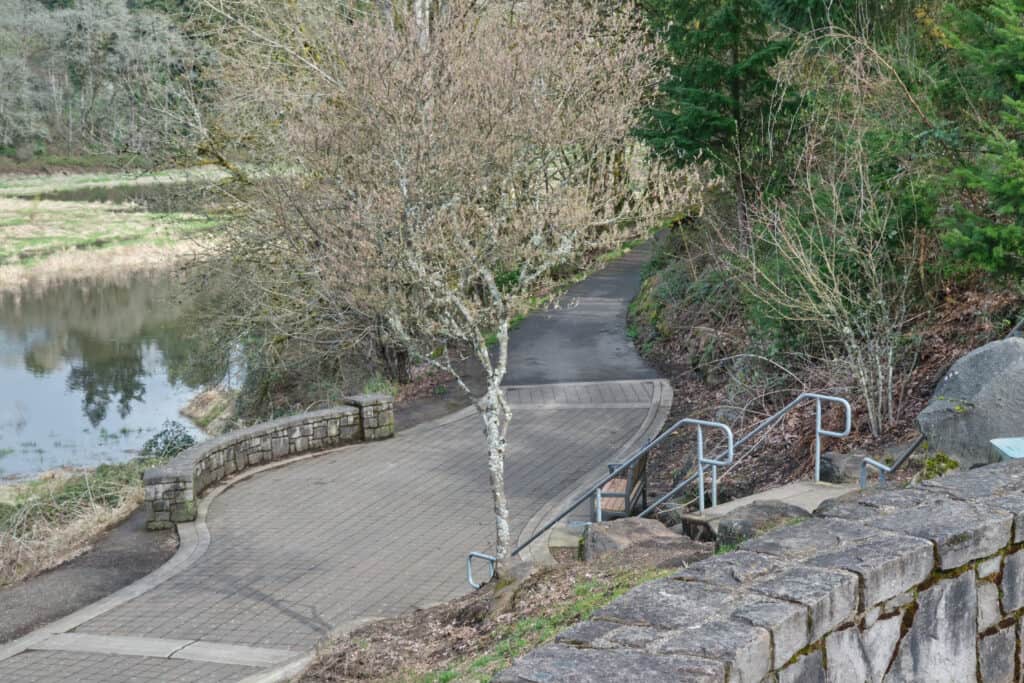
<point x="48" y="521"/>
<point x="34" y="230"/>
<point x="46" y="238"/>
<point x="469" y="639"/>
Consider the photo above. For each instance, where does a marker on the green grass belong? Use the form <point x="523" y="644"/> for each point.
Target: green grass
<point x="626" y="247"/>
<point x="37" y="230"/>
<point x="379" y="384"/>
<point x="521" y="636"/>
<point x="27" y="185"/>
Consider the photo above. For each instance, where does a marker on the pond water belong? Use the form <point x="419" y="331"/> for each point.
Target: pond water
<point x="89" y="371"/>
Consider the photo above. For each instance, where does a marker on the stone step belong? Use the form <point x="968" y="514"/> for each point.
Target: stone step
<point x="807" y="495"/>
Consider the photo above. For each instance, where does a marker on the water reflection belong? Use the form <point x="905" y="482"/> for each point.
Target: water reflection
<point x="88" y="371"/>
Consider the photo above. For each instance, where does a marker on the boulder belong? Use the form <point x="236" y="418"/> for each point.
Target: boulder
<point x="980" y="398"/>
<point x="755" y="519"/>
<point x="640" y="535"/>
<point x="841" y="468"/>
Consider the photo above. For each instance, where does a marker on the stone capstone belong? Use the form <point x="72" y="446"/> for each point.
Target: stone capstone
<point x="960" y="531"/>
<point x="918" y="584"/>
<point x="980" y="398"/>
<point x="887" y="566"/>
<point x="830" y="596"/>
<point x="572" y="665"/>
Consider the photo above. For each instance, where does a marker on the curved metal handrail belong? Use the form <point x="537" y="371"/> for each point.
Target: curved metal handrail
<point x="765" y="424"/>
<point x="720" y="459"/>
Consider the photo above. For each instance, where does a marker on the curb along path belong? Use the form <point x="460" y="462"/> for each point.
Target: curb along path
<point x="288" y="553"/>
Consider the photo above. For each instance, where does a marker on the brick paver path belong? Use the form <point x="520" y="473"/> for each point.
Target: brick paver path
<point x="366" y="531"/>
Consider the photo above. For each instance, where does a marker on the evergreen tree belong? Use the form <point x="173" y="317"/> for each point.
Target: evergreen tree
<point x="718" y="89"/>
<point x="986" y="229"/>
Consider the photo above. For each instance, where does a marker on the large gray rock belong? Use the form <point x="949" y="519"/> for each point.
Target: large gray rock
<point x="980" y="398"/>
<point x="841" y="468"/>
<point x="940" y="645"/>
<point x="751" y="521"/>
<point x="637" y="534"/>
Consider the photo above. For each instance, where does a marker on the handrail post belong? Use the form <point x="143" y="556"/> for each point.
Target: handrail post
<point x="714" y="486"/>
<point x="817" y="439"/>
<point x="700" y="460"/>
<point x="700" y="487"/>
<point x="597" y="505"/>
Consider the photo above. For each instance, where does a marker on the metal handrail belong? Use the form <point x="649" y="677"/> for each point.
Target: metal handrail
<point x="491" y="561"/>
<point x="595" y="490"/>
<point x="883" y="469"/>
<point x="713" y="462"/>
<point x="765" y="424"/>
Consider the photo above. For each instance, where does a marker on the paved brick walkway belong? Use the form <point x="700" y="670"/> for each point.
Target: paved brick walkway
<point x="372" y="530"/>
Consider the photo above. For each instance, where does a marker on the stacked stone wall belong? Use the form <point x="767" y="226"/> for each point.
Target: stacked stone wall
<point x="171" y="490"/>
<point x="917" y="584"/>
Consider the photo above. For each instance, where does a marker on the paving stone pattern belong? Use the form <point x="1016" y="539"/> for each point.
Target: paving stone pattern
<point x="82" y="667"/>
<point x="171" y="489"/>
<point x="918" y="584"/>
<point x="374" y="530"/>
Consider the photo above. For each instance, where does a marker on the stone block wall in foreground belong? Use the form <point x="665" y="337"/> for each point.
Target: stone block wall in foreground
<point x="918" y="584"/>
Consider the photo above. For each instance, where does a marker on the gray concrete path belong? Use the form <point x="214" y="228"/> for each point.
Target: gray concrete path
<point x="290" y="553"/>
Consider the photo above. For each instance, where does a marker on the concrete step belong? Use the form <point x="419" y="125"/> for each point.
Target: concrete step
<point x="807" y="495"/>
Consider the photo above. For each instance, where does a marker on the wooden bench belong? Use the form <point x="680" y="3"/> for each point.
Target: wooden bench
<point x="624" y="495"/>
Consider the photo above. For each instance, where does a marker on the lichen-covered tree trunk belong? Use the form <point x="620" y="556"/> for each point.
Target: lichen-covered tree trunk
<point x="496" y="415"/>
<point x="495" y="420"/>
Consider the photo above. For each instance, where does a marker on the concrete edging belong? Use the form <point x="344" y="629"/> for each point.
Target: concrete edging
<point x="661" y="403"/>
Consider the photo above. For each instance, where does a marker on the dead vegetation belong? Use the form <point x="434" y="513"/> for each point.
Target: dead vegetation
<point x="58" y="517"/>
<point x="466" y="640"/>
<point x="715" y="376"/>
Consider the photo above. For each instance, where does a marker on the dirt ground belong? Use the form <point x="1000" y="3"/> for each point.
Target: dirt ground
<point x="470" y="639"/>
<point x="962" y="321"/>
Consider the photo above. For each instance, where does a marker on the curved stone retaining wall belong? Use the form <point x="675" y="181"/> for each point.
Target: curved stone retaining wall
<point x="918" y="584"/>
<point x="171" y="490"/>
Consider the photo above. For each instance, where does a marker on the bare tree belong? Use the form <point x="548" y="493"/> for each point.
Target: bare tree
<point x="431" y="171"/>
<point x="830" y="254"/>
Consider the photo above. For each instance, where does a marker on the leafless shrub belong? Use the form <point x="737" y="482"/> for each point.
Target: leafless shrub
<point x="428" y="170"/>
<point x="830" y="256"/>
